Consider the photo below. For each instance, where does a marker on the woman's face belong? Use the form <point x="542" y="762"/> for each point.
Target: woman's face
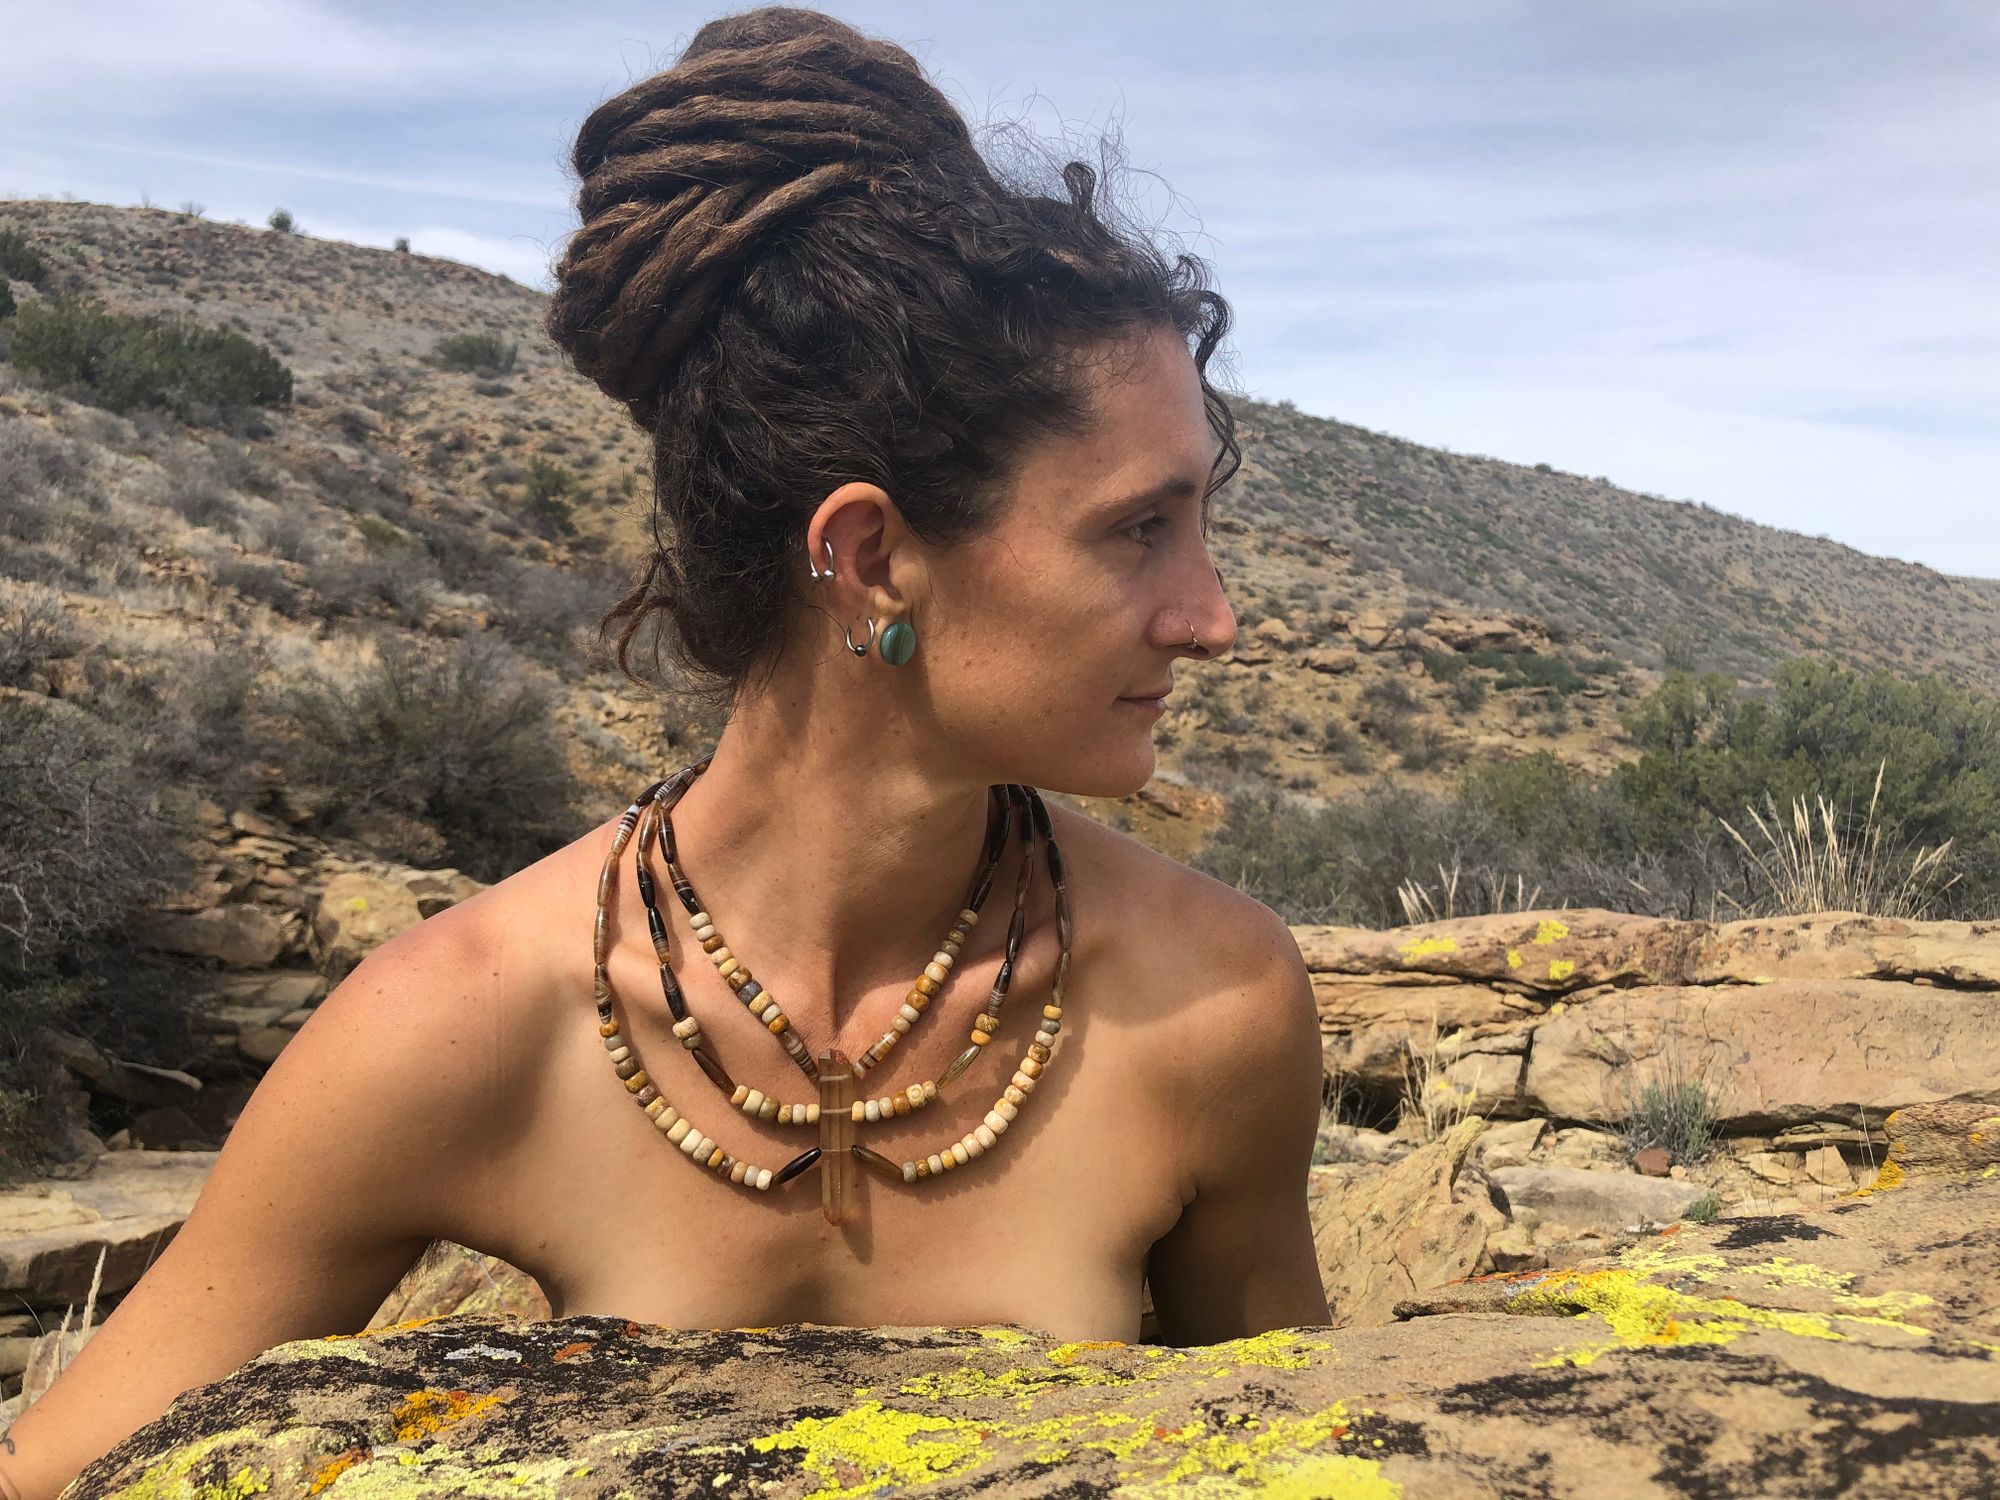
<point x="1037" y="635"/>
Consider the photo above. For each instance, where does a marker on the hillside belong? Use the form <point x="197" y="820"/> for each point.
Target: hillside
<point x="1401" y="609"/>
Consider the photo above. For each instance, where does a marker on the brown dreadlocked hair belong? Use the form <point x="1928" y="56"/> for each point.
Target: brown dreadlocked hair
<point x="795" y="270"/>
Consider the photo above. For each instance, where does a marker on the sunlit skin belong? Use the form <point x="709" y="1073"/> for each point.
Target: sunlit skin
<point x="835" y="836"/>
<point x="850" y="794"/>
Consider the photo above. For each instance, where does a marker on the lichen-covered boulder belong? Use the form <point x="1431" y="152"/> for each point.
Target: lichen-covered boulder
<point x="1854" y="1349"/>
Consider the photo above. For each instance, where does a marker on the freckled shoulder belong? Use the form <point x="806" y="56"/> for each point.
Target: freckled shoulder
<point x="1184" y="931"/>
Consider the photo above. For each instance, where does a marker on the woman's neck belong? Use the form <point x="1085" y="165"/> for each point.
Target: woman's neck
<point x="833" y="851"/>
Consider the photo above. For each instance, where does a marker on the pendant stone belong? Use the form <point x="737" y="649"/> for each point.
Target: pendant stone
<point x="837" y="1167"/>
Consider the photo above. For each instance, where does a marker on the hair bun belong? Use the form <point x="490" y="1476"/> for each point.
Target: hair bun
<point x="763" y="116"/>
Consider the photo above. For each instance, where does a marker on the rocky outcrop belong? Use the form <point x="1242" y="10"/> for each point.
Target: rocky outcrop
<point x="1800" y="1034"/>
<point x="1854" y="1349"/>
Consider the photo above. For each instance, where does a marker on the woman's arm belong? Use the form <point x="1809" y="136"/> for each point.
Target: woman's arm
<point x="1240" y="1259"/>
<point x="338" y="1173"/>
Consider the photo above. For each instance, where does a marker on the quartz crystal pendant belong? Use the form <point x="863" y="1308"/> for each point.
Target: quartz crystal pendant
<point x="837" y="1167"/>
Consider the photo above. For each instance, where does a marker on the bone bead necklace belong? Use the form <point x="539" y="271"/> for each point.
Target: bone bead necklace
<point x="836" y="1112"/>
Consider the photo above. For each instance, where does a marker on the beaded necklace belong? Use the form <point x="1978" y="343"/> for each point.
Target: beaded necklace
<point x="836" y="1112"/>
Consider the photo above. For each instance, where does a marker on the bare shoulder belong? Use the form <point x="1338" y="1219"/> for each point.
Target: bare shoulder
<point x="1208" y="930"/>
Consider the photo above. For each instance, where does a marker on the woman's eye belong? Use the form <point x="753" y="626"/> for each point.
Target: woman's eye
<point x="1141" y="531"/>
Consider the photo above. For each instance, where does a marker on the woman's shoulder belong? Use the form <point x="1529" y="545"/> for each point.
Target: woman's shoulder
<point x="1155" y="890"/>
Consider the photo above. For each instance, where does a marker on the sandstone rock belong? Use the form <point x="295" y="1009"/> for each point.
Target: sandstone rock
<point x="135" y="1083"/>
<point x="1473" y="633"/>
<point x="1332" y="660"/>
<point x="1774" y="1054"/>
<point x="358" y="911"/>
<point x="130" y="1206"/>
<point x="256" y="825"/>
<point x="262" y="1044"/>
<point x="1351" y="1143"/>
<point x="449" y="1279"/>
<point x="1383" y="1231"/>
<point x="1508" y="1145"/>
<point x="1571" y="1200"/>
<point x="1842" y="945"/>
<point x="1277" y="633"/>
<point x="437" y="889"/>
<point x="1535" y="953"/>
<point x="1806" y="1355"/>
<point x="1651" y="1162"/>
<point x="1581" y="1146"/>
<point x="241" y="936"/>
<point x="169" y="1129"/>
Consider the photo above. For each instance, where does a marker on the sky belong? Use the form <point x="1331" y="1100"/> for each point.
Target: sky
<point x="1746" y="253"/>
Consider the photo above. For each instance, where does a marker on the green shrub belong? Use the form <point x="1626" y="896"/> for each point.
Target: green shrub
<point x="402" y="244"/>
<point x="1704" y="1209"/>
<point x="20" y="260"/>
<point x="474" y="354"/>
<point x="453" y="746"/>
<point x="1674" y="1113"/>
<point x="164" y="361"/>
<point x="7" y="308"/>
<point x="548" y="483"/>
<point x="281" y="220"/>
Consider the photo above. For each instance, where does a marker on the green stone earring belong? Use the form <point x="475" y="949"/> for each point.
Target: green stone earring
<point x="897" y="643"/>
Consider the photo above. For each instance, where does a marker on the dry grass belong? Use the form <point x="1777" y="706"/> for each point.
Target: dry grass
<point x="1483" y="897"/>
<point x="1429" y="1096"/>
<point x="1812" y="867"/>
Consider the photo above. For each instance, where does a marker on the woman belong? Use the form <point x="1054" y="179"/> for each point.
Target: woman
<point x="932" y="462"/>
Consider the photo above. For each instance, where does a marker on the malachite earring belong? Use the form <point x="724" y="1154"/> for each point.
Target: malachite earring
<point x="898" y="641"/>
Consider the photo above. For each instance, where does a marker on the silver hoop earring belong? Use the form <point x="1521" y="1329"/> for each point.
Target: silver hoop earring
<point x="862" y="649"/>
<point x="817" y="576"/>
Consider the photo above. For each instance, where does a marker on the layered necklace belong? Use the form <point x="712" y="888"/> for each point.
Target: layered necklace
<point x="836" y="1111"/>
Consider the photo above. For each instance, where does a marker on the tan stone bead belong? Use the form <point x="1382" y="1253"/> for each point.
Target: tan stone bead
<point x="679" y="1131"/>
<point x="928" y="985"/>
<point x="712" y="944"/>
<point x="1013" y="1096"/>
<point x="770" y="1012"/>
<point x="980" y="1038"/>
<point x="667" y="1119"/>
<point x="923" y="1169"/>
<point x="1031" y="1066"/>
<point x="769" y="1109"/>
<point x="715" y="1157"/>
<point x="996" y="1122"/>
<point x="986" y="1136"/>
<point x="727" y="967"/>
<point x="930" y="1088"/>
<point x="859" y="1112"/>
<point x="607" y="1028"/>
<point x="736" y="1172"/>
<point x="935" y="971"/>
<point x="1023" y="1082"/>
<point x="900" y="1023"/>
<point x="742" y="1093"/>
<point x="972" y="1146"/>
<point x="702" y="919"/>
<point x="753" y="1101"/>
<point x="740" y="978"/>
<point x="627" y="1068"/>
<point x="619" y="1054"/>
<point x="959" y="1154"/>
<point x="936" y="1164"/>
<point x="951" y="948"/>
<point x="777" y="1025"/>
<point x="900" y="1105"/>
<point x="915" y="1095"/>
<point x="763" y="1179"/>
<point x="871" y="1109"/>
<point x="636" y="1082"/>
<point x="658" y="1107"/>
<point x="969" y="917"/>
<point x="1038" y="1053"/>
<point x="1006" y="1109"/>
<point x="949" y="1158"/>
<point x="812" y="1114"/>
<point x="988" y="1023"/>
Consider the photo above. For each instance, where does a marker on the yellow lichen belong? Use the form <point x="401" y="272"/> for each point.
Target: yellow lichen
<point x="1561" y="968"/>
<point x="1417" y="948"/>
<point x="1547" y="931"/>
<point x="873" y="1449"/>
<point x="169" y="1477"/>
<point x="426" y="1413"/>
<point x="1513" y="958"/>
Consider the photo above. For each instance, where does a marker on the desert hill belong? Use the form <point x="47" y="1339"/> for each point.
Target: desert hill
<point x="1402" y="609"/>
